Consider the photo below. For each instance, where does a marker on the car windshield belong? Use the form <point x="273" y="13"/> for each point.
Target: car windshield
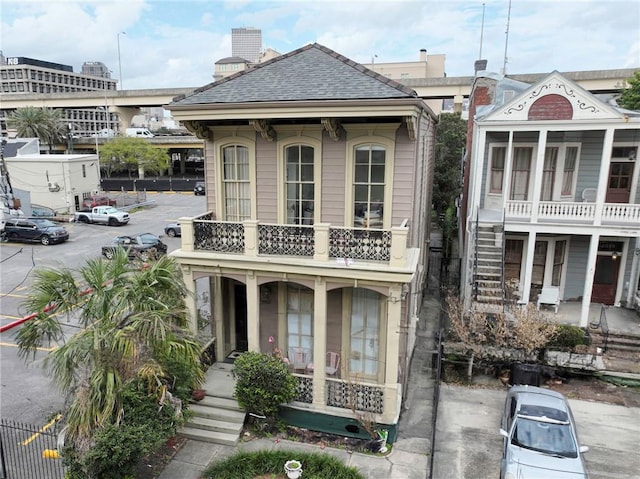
<point x="148" y="238"/>
<point x="549" y="437"/>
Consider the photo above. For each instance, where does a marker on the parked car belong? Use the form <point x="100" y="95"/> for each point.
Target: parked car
<point x="199" y="188"/>
<point x="35" y="229"/>
<point x="540" y="438"/>
<point x="172" y="229"/>
<point x="93" y="201"/>
<point x="142" y="246"/>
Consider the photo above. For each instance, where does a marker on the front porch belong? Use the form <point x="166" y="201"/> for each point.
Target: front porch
<point x="619" y="320"/>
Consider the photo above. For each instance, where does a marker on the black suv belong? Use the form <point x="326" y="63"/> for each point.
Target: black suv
<point x="35" y="229"/>
<point x="198" y="189"/>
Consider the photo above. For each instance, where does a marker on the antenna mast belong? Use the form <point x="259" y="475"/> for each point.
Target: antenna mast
<point x="481" y="33"/>
<point x="506" y="41"/>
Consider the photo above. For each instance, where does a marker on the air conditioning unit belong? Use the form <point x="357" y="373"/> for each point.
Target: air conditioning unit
<point x="54" y="187"/>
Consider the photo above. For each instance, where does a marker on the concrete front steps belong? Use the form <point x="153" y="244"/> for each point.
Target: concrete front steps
<point x="215" y="419"/>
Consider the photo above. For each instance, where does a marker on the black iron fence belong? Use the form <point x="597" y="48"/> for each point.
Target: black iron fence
<point x="443" y="274"/>
<point x="29" y="452"/>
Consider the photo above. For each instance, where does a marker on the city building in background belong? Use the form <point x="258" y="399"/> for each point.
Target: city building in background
<point x="22" y="75"/>
<point x="428" y="66"/>
<point x="97" y="69"/>
<point x="246" y="43"/>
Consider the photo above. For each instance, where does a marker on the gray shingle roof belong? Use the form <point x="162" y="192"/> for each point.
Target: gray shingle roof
<point x="312" y="72"/>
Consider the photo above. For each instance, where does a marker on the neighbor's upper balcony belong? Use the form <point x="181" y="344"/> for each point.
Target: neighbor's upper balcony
<point x="585" y="213"/>
<point x="321" y="242"/>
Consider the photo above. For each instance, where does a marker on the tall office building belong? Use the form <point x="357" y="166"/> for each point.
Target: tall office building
<point x="97" y="69"/>
<point x="246" y="43"/>
<point x="28" y="75"/>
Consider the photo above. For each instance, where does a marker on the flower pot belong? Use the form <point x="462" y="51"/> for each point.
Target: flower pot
<point x="293" y="469"/>
<point x="198" y="394"/>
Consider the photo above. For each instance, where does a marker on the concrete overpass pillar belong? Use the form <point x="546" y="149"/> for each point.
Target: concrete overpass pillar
<point x="457" y="103"/>
<point x="125" y="114"/>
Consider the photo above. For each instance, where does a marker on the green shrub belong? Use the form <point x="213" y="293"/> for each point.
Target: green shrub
<point x="263" y="382"/>
<point x="568" y="336"/>
<point x="247" y="465"/>
<point x="116" y="449"/>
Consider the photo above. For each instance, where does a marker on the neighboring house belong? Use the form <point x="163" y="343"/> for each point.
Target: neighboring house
<point x="58" y="182"/>
<point x="318" y="176"/>
<point x="552" y="197"/>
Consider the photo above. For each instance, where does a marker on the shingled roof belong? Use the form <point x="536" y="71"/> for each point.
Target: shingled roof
<point x="310" y="73"/>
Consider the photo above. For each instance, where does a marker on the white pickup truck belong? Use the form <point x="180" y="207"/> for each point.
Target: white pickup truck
<point x="107" y="215"/>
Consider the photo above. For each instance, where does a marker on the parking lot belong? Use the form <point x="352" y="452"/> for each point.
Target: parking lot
<point x="27" y="394"/>
<point x="470" y="447"/>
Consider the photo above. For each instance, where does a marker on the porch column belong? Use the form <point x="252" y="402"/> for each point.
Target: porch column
<point x="319" y="342"/>
<point x="253" y="312"/>
<point x="191" y="301"/>
<point x="588" y="279"/>
<point x="603" y="179"/>
<point x="508" y="168"/>
<point x="217" y="311"/>
<point x="537" y="178"/>
<point x="528" y="268"/>
<point x="392" y="347"/>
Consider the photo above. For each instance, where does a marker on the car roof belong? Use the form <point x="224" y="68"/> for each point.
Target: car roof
<point x="539" y="402"/>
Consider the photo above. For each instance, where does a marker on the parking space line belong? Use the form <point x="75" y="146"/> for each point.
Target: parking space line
<point x="42" y="429"/>
<point x="2" y="343"/>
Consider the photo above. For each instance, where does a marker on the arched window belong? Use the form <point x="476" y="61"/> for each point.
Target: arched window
<point x="236" y="183"/>
<point x="300" y="184"/>
<point x="369" y="186"/>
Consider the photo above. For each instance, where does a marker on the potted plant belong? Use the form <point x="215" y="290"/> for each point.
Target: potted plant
<point x="293" y="469"/>
<point x="198" y="394"/>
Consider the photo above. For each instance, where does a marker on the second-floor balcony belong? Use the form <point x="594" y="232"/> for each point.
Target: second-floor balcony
<point x="584" y="213"/>
<point x="320" y="242"/>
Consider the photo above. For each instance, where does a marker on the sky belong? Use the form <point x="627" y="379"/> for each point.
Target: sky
<point x="175" y="43"/>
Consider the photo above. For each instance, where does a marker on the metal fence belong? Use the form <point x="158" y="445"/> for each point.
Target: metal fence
<point x="444" y="273"/>
<point x="29" y="452"/>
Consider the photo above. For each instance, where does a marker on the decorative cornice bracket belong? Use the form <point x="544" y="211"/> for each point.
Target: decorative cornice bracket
<point x="333" y="127"/>
<point x="264" y="128"/>
<point x="199" y="129"/>
<point x="412" y="126"/>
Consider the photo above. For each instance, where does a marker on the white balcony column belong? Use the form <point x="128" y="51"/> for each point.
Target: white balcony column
<point x="321" y="240"/>
<point x="187" y="238"/>
<point x="390" y="339"/>
<point x="398" y="246"/>
<point x="217" y="311"/>
<point x="537" y="175"/>
<point x="588" y="280"/>
<point x="508" y="168"/>
<point x="191" y="299"/>
<point x="253" y="312"/>
<point x="603" y="179"/>
<point x="319" y="342"/>
<point x="528" y="268"/>
<point x="250" y="237"/>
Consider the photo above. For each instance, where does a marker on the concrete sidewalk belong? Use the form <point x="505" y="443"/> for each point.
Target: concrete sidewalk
<point x="409" y="457"/>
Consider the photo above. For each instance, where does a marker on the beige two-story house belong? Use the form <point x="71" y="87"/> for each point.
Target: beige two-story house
<point x="318" y="175"/>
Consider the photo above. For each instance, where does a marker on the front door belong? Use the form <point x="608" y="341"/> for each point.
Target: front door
<point x="620" y="175"/>
<point x="605" y="280"/>
<point x="240" y="297"/>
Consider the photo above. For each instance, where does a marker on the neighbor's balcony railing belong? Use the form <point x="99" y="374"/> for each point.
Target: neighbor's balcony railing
<point x="574" y="213"/>
<point x="320" y="241"/>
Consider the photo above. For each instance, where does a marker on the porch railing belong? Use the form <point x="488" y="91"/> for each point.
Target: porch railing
<point x="561" y="211"/>
<point x="320" y="241"/>
<point x="358" y="396"/>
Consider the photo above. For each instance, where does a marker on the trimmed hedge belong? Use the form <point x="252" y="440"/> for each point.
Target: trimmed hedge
<point x="247" y="465"/>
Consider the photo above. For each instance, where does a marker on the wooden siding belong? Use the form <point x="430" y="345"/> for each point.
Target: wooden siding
<point x="576" y="268"/>
<point x="266" y="180"/>
<point x="333" y="180"/>
<point x="590" y="159"/>
<point x="404" y="179"/>
<point x="210" y="175"/>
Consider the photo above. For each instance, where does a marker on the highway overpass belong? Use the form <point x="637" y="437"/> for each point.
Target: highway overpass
<point x="127" y="103"/>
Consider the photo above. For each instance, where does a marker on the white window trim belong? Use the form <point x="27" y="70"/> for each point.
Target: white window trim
<point x="559" y="173"/>
<point x="492" y="148"/>
<point x="219" y="147"/>
<point x="389" y="146"/>
<point x="316" y="144"/>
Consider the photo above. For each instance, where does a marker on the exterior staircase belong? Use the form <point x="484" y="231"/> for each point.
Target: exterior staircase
<point x="488" y="269"/>
<point x="217" y="418"/>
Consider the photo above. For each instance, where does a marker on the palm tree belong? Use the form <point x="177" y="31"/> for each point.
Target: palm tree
<point x="46" y="124"/>
<point x="133" y="328"/>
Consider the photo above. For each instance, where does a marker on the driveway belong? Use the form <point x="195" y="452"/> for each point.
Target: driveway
<point x="469" y="445"/>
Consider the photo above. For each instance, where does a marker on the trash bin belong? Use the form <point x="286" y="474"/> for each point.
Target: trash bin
<point x="530" y="374"/>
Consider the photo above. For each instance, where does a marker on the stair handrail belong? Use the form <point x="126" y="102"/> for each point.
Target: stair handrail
<point x="502" y="257"/>
<point x="475" y="260"/>
<point x="604" y="326"/>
